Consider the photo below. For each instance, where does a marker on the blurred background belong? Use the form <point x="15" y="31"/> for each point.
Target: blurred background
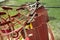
<point x="52" y="6"/>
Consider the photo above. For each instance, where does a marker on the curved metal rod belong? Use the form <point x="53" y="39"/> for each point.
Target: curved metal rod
<point x="17" y="30"/>
<point x="2" y="13"/>
<point x="6" y="8"/>
<point x="50" y="32"/>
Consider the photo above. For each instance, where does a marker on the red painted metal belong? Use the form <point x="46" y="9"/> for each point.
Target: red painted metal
<point x="2" y="13"/>
<point x="6" y="8"/>
<point x="40" y="30"/>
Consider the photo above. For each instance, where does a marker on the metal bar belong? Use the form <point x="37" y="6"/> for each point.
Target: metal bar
<point x="45" y="7"/>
